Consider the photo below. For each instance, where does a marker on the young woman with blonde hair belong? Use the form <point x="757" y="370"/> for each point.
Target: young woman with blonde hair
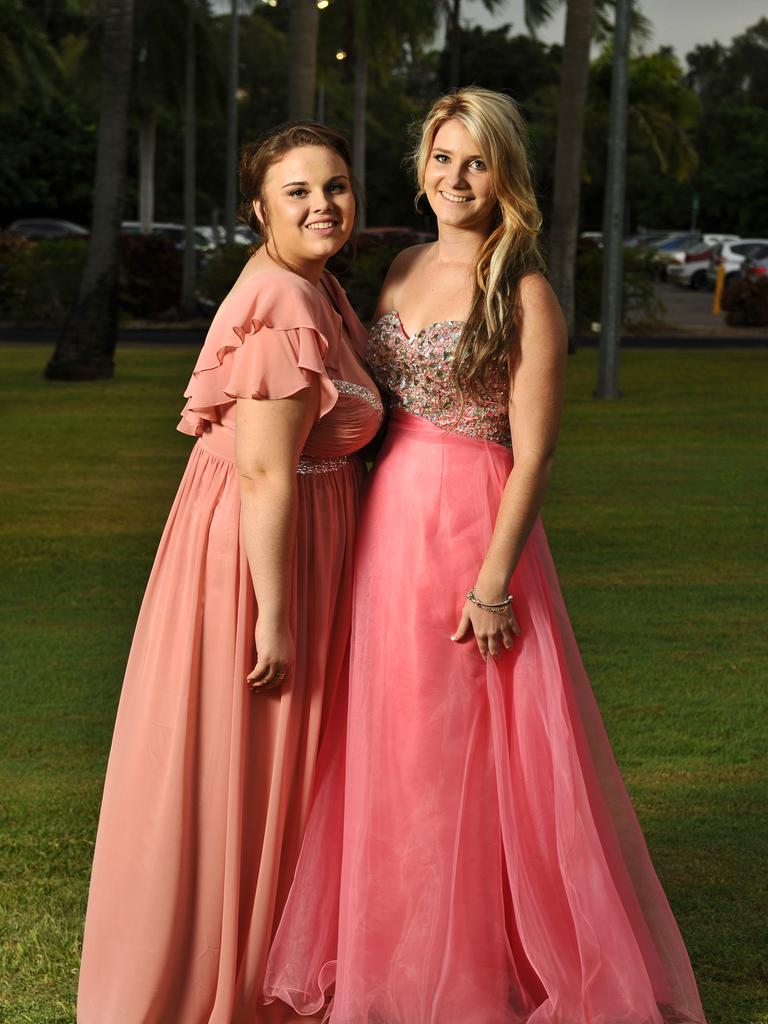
<point x="477" y="860"/>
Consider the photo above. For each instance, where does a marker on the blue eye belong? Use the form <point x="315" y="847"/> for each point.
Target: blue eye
<point x="478" y="165"/>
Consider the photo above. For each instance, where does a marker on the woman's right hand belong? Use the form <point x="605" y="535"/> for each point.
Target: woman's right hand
<point x="275" y="656"/>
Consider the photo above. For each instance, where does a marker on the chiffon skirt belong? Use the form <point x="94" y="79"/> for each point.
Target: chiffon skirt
<point x="208" y="784"/>
<point x="475" y="858"/>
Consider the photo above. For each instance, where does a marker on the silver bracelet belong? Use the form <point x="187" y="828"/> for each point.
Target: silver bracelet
<point x="498" y="609"/>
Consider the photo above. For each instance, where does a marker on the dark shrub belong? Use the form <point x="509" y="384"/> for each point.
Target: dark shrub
<point x="222" y="271"/>
<point x="40" y="279"/>
<point x="361" y="274"/>
<point x="12" y="248"/>
<point x="640" y="304"/>
<point x="747" y="304"/>
<point x="150" y="275"/>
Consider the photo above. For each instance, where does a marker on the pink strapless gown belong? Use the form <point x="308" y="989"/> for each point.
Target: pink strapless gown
<point x="208" y="783"/>
<point x="476" y="860"/>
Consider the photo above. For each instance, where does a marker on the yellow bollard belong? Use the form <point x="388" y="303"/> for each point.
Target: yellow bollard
<point x="719" y="284"/>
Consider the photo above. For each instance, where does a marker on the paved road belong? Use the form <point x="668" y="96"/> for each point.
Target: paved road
<point x="691" y="312"/>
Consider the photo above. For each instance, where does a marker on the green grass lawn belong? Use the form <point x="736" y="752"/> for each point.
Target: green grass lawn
<point x="657" y="517"/>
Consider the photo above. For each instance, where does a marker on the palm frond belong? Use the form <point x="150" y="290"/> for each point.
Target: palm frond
<point x="537" y="12"/>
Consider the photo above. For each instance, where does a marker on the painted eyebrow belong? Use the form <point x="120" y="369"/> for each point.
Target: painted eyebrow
<point x="336" y="177"/>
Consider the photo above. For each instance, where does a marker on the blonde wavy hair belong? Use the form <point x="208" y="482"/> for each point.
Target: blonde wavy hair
<point x="511" y="249"/>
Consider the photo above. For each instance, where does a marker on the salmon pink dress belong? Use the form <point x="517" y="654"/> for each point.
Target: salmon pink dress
<point x="475" y="858"/>
<point x="208" y="783"/>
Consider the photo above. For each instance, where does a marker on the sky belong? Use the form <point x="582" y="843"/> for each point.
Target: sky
<point x="682" y="24"/>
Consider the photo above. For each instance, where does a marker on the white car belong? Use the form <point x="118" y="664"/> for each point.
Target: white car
<point x="689" y="268"/>
<point x="175" y="232"/>
<point x="731" y="255"/>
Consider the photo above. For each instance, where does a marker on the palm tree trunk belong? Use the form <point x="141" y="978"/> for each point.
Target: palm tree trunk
<point x="230" y="202"/>
<point x="360" y="103"/>
<point x="454" y="39"/>
<point x="147" y="140"/>
<point x="574" y="79"/>
<point x="86" y="346"/>
<point x="188" y="278"/>
<point x="302" y="47"/>
<point x="613" y="217"/>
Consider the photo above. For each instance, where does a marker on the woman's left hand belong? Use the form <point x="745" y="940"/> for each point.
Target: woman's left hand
<point x="493" y="631"/>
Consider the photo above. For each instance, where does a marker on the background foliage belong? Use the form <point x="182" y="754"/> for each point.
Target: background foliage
<point x="699" y="129"/>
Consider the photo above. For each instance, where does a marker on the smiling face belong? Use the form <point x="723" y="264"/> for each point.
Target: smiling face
<point x="307" y="205"/>
<point x="457" y="181"/>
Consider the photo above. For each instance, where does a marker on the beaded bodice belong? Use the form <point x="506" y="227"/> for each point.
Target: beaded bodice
<point x="415" y="373"/>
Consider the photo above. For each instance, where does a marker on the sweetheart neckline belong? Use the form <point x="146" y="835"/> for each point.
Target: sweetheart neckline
<point x="410" y="337"/>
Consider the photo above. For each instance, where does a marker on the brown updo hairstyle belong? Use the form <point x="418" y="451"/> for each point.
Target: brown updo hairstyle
<point x="257" y="157"/>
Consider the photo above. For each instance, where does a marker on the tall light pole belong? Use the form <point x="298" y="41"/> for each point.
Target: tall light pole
<point x="230" y="199"/>
<point x="613" y="216"/>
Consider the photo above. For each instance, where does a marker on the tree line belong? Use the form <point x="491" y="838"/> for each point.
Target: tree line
<point x="696" y="142"/>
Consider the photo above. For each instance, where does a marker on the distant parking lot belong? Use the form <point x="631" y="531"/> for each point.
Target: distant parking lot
<point x="690" y="312"/>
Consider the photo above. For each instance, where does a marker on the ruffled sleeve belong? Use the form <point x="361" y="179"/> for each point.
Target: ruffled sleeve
<point x="285" y="340"/>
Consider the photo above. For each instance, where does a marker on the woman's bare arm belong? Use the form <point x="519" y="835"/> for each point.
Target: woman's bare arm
<point x="537" y="381"/>
<point x="269" y="439"/>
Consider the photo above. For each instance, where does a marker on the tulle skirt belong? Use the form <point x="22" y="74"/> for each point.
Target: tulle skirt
<point x="474" y="857"/>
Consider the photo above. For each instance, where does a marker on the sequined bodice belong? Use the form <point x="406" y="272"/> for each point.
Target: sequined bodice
<point x="415" y="374"/>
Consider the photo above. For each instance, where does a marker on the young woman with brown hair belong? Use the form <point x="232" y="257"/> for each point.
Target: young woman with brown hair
<point x="241" y="641"/>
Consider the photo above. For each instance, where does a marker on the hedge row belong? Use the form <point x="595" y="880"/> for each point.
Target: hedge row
<point x="39" y="280"/>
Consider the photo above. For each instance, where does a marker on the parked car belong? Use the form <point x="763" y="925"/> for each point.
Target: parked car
<point x="175" y="232"/>
<point x="649" y="239"/>
<point x="666" y="247"/>
<point x="44" y="229"/>
<point x="245" y="236"/>
<point x="688" y="268"/>
<point x="755" y="268"/>
<point x="713" y="239"/>
<point x="731" y="255"/>
<point x="214" y="238"/>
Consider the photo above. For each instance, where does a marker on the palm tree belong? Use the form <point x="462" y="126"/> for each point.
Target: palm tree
<point x="230" y="194"/>
<point x="381" y="30"/>
<point x="584" y="18"/>
<point x="85" y="349"/>
<point x="360" y="99"/>
<point x="27" y="59"/>
<point x="452" y="10"/>
<point x="302" y="47"/>
<point x="190" y="150"/>
<point x="572" y="105"/>
<point x="158" y="86"/>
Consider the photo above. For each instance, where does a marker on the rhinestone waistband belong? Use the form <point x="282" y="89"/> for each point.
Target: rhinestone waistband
<point x="221" y="442"/>
<point x="311" y="464"/>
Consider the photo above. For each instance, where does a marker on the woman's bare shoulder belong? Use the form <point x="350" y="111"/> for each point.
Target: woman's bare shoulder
<point x="400" y="269"/>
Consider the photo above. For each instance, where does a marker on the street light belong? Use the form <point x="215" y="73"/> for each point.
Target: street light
<point x="341" y="55"/>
